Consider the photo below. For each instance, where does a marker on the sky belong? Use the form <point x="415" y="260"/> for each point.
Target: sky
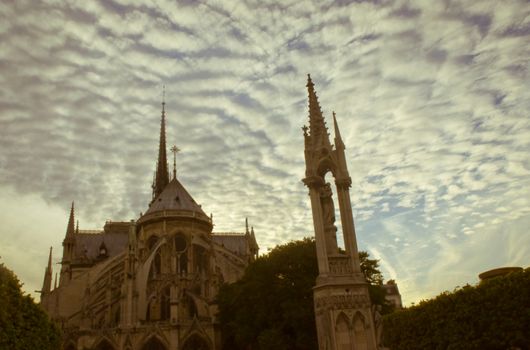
<point x="432" y="99"/>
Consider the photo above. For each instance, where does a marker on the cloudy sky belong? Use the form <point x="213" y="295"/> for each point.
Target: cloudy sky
<point x="432" y="98"/>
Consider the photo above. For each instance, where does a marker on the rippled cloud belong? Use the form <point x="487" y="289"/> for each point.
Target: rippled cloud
<point x="431" y="97"/>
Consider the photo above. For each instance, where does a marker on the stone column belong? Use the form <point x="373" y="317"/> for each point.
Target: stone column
<point x="320" y="239"/>
<point x="348" y="227"/>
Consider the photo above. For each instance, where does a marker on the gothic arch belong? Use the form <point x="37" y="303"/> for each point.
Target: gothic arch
<point x="152" y="241"/>
<point x="360" y="333"/>
<point x="326" y="165"/>
<point x="154" y="343"/>
<point x="104" y="344"/>
<point x="196" y="342"/>
<point x="343" y="332"/>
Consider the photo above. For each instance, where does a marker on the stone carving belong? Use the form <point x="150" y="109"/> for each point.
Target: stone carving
<point x="378" y="323"/>
<point x="340" y="265"/>
<point x="328" y="207"/>
<point x="340" y="288"/>
<point x="342" y="301"/>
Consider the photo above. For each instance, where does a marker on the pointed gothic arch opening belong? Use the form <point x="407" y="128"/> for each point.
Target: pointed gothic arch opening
<point x="104" y="344"/>
<point x="195" y="342"/>
<point x="154" y="344"/>
<point x="360" y="332"/>
<point x="181" y="248"/>
<point x="187" y="307"/>
<point x="343" y="332"/>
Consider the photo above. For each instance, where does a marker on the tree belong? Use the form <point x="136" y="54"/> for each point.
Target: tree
<point x="271" y="307"/>
<point x="23" y="324"/>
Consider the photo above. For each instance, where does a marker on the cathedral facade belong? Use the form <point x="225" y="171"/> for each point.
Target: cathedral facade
<point x="149" y="283"/>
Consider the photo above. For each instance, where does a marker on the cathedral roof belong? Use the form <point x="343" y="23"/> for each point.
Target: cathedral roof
<point x="236" y="243"/>
<point x="174" y="197"/>
<point x="87" y="245"/>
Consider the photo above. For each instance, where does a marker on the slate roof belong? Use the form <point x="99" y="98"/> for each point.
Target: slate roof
<point x="87" y="245"/>
<point x="174" y="197"/>
<point x="236" y="243"/>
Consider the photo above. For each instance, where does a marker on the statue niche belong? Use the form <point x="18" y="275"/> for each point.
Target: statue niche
<point x="328" y="216"/>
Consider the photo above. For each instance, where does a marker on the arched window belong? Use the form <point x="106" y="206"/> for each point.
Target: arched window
<point x="343" y="336"/>
<point x="156" y="267"/>
<point x="151" y="242"/>
<point x="200" y="258"/>
<point x="165" y="307"/>
<point x="359" y="331"/>
<point x="195" y="342"/>
<point x="181" y="248"/>
<point x="183" y="263"/>
<point x="180" y="243"/>
<point x="153" y="344"/>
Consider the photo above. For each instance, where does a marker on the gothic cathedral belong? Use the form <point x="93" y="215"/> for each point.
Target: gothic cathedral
<point x="343" y="310"/>
<point x="147" y="284"/>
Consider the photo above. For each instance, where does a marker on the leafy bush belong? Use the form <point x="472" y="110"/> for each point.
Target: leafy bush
<point x="492" y="315"/>
<point x="23" y="324"/>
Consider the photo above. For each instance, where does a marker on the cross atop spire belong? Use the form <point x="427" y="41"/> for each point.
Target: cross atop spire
<point x="163" y="99"/>
<point x="175" y="150"/>
<point x="161" y="175"/>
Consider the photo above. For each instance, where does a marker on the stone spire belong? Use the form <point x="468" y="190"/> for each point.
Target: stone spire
<point x="341" y="297"/>
<point x="68" y="247"/>
<point x="47" y="284"/>
<point x="318" y="131"/>
<point x="161" y="175"/>
<point x="246" y="226"/>
<point x="70" y="228"/>
<point x="339" y="144"/>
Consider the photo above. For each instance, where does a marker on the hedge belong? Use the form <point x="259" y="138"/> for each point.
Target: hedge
<point x="495" y="314"/>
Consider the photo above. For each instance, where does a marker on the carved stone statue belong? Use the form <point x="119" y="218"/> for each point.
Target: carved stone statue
<point x="328" y="208"/>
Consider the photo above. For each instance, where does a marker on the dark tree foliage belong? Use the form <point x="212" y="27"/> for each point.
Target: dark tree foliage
<point x="492" y="315"/>
<point x="271" y="307"/>
<point x="23" y="324"/>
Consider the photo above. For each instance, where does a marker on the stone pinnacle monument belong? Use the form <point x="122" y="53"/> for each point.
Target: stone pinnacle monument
<point x="342" y="304"/>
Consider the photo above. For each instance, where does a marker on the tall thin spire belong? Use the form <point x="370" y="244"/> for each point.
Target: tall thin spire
<point x="47" y="284"/>
<point x="161" y="176"/>
<point x="70" y="229"/>
<point x="50" y="260"/>
<point x="317" y="126"/>
<point x="339" y="144"/>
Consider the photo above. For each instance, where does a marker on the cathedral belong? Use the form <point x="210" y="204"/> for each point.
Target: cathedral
<point x="150" y="283"/>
